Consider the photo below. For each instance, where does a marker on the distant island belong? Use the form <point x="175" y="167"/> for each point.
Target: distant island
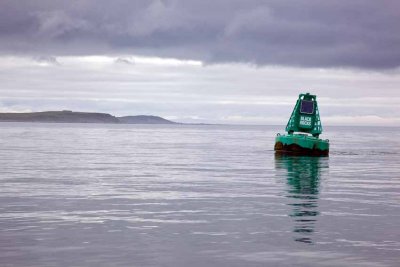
<point x="67" y="116"/>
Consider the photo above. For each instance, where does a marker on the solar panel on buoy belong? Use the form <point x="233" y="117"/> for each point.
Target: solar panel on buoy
<point x="307" y="107"/>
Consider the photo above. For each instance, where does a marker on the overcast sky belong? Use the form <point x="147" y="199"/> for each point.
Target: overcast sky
<point x="219" y="61"/>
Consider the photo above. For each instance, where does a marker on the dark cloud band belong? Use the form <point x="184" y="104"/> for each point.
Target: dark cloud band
<point x="361" y="34"/>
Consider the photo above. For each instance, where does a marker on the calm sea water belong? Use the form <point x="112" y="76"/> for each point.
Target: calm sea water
<point x="126" y="195"/>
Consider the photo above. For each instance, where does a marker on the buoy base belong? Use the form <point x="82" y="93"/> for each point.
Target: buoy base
<point x="301" y="145"/>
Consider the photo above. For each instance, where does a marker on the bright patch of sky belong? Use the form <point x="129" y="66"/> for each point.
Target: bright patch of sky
<point x="190" y="91"/>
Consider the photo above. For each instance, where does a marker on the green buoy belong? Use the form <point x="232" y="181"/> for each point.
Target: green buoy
<point x="303" y="130"/>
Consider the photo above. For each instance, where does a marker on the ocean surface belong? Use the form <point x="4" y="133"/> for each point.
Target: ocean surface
<point x="181" y="195"/>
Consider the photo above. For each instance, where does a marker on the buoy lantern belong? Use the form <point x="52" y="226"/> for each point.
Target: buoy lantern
<point x="303" y="130"/>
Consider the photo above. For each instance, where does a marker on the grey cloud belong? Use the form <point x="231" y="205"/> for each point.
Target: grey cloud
<point x="47" y="60"/>
<point x="124" y="61"/>
<point x="312" y="33"/>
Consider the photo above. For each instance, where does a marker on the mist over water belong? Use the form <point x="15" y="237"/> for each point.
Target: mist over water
<point x="179" y="195"/>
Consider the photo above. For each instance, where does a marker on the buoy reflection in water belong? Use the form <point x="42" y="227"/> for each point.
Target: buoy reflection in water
<point x="303" y="176"/>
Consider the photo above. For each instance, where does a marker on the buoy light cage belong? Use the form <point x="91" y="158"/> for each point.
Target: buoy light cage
<point x="303" y="130"/>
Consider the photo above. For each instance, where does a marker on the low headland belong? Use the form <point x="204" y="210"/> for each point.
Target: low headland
<point x="67" y="116"/>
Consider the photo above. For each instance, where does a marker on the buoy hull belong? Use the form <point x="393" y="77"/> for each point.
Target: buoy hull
<point x="301" y="145"/>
